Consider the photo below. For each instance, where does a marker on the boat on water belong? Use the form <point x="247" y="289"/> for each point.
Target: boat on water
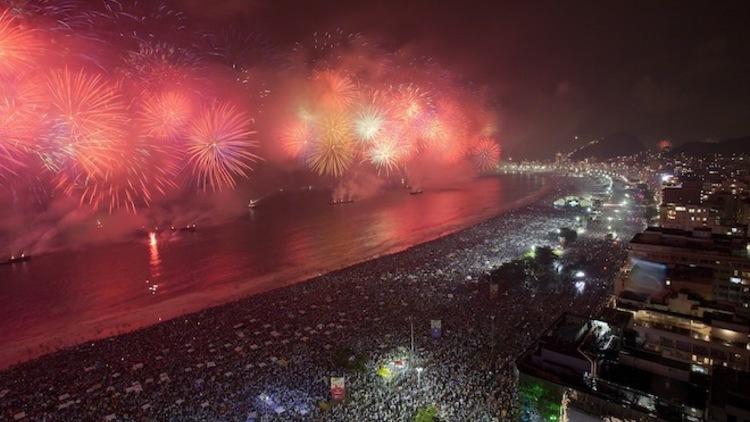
<point x="253" y="203"/>
<point x="21" y="257"/>
<point x="186" y="228"/>
<point x="342" y="201"/>
<point x="416" y="191"/>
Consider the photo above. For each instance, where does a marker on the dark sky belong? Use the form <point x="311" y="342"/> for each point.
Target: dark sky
<point x="655" y="69"/>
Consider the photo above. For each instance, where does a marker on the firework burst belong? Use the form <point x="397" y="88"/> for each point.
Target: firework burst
<point x="385" y="154"/>
<point x="332" y="152"/>
<point x="369" y="122"/>
<point x="87" y="118"/>
<point x="485" y="154"/>
<point x="220" y="147"/>
<point x="410" y="102"/>
<point x="434" y="132"/>
<point x="336" y="91"/>
<point x="21" y="108"/>
<point x="137" y="177"/>
<point x="18" y="45"/>
<point x="165" y="116"/>
<point x="298" y="137"/>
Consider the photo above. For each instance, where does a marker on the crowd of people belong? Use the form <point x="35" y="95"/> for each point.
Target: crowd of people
<point x="271" y="356"/>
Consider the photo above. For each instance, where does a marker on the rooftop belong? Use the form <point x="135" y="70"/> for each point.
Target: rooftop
<point x="615" y="381"/>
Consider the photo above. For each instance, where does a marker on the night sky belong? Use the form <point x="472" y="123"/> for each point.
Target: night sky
<point x="652" y="69"/>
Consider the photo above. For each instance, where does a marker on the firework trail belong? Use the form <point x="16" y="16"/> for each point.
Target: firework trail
<point x="134" y="21"/>
<point x="155" y="65"/>
<point x="324" y="49"/>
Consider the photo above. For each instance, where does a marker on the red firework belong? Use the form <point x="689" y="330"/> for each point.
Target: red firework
<point x="21" y="104"/>
<point x="220" y="147"/>
<point x="18" y="45"/>
<point x="410" y="102"/>
<point x="485" y="154"/>
<point x="336" y="91"/>
<point x="137" y="176"/>
<point x="87" y="120"/>
<point x="165" y="116"/>
<point x="298" y="137"/>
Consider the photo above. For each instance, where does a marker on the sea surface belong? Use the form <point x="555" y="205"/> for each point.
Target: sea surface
<point x="65" y="298"/>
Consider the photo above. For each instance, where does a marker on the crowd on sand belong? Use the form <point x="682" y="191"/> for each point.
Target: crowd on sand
<point x="271" y="356"/>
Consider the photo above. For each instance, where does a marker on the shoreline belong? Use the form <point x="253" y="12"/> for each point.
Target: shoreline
<point x="261" y="286"/>
<point x="222" y="363"/>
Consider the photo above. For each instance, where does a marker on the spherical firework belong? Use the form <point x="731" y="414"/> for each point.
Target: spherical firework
<point x="335" y="91"/>
<point x="384" y="154"/>
<point x="298" y="137"/>
<point x="485" y="154"/>
<point x="332" y="153"/>
<point x="369" y="122"/>
<point x="21" y="105"/>
<point x="18" y="45"/>
<point x="220" y="147"/>
<point x="406" y="146"/>
<point x="165" y="115"/>
<point x="87" y="118"/>
<point x="139" y="174"/>
<point x="448" y="134"/>
<point x="433" y="131"/>
<point x="409" y="102"/>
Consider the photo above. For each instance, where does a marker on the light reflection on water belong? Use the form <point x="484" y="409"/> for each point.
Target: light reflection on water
<point x="74" y="296"/>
